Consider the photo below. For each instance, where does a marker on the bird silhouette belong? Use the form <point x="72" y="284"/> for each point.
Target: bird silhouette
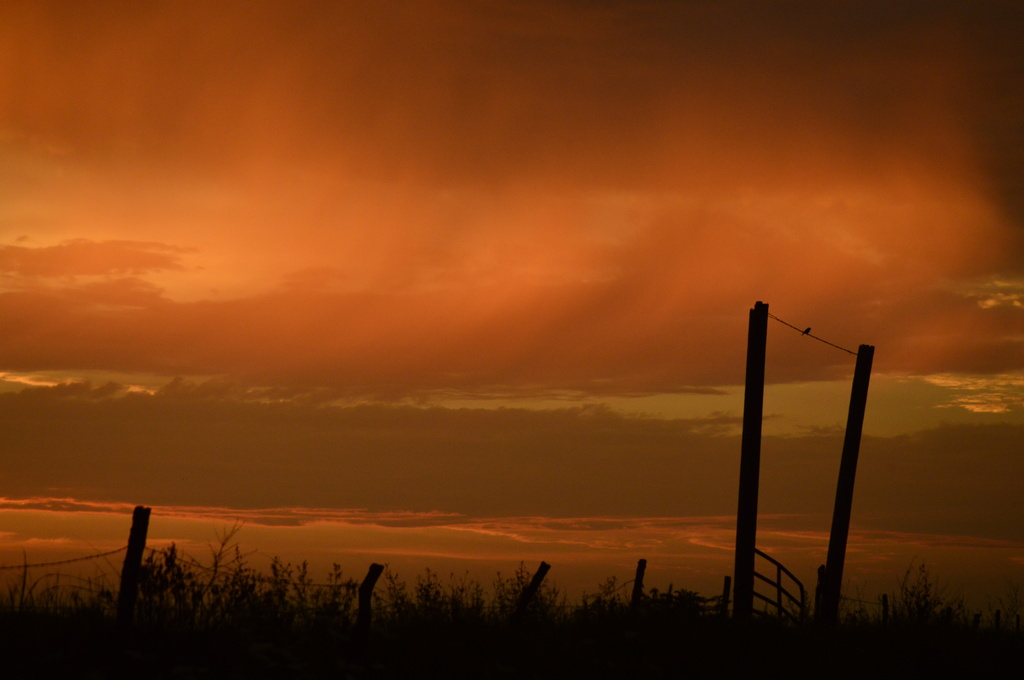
<point x="807" y="331"/>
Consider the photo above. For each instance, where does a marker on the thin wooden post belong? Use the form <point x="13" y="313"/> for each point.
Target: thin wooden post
<point x="530" y="591"/>
<point x="778" y="589"/>
<point x="724" y="604"/>
<point x="638" y="583"/>
<point x="885" y="609"/>
<point x="997" y="616"/>
<point x="844" y="489"/>
<point x="364" y="614"/>
<point x="750" y="462"/>
<point x="129" y="592"/>
<point x="817" y="589"/>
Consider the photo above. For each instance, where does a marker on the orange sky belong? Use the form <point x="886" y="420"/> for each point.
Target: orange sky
<point x="286" y="243"/>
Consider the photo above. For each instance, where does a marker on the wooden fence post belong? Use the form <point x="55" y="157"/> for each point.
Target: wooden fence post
<point x="885" y="609"/>
<point x="724" y="604"/>
<point x="779" y="600"/>
<point x="366" y="598"/>
<point x="530" y="591"/>
<point x="638" y="583"/>
<point x="818" y="589"/>
<point x="750" y="463"/>
<point x="129" y="593"/>
<point x="829" y="613"/>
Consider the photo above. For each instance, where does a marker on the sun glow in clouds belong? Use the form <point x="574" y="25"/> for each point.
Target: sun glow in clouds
<point x="483" y="269"/>
<point x="983" y="394"/>
<point x="690" y="552"/>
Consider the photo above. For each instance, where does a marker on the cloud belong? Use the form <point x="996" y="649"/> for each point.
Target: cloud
<point x="996" y="292"/>
<point x="290" y="516"/>
<point x="212" y="450"/>
<point x="990" y="394"/>
<point x="649" y="330"/>
<point x="197" y="450"/>
<point x="83" y="257"/>
<point x="519" y="199"/>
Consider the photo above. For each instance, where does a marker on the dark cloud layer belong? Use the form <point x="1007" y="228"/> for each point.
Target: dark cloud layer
<point x="497" y="89"/>
<point x="190" y="445"/>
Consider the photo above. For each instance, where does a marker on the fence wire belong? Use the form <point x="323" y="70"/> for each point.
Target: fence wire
<point x="807" y="332"/>
<point x="60" y="562"/>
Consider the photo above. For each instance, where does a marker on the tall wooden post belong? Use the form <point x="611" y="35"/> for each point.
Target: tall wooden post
<point x="750" y="462"/>
<point x="129" y="592"/>
<point x="829" y="613"/>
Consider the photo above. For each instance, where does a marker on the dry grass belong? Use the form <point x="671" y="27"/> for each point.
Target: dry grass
<point x="219" y="617"/>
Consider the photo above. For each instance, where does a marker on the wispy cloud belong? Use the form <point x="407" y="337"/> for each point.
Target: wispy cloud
<point x="982" y="394"/>
<point x="292" y="516"/>
<point x="993" y="292"/>
<point x="84" y="257"/>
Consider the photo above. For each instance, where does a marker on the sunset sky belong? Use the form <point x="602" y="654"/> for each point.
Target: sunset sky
<point x="467" y="283"/>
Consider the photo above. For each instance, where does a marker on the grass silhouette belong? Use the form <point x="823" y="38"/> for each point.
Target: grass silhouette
<point x="222" y="618"/>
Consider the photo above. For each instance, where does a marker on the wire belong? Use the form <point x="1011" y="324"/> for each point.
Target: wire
<point x="808" y="334"/>
<point x="53" y="564"/>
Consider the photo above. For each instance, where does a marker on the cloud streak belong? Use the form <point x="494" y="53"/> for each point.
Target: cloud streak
<point x="82" y="257"/>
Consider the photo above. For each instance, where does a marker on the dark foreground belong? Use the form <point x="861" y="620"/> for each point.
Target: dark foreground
<point x="40" y="646"/>
<point x="225" y="620"/>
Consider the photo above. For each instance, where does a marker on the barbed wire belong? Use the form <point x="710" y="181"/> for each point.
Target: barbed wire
<point x="808" y="333"/>
<point x="60" y="562"/>
<point x="877" y="602"/>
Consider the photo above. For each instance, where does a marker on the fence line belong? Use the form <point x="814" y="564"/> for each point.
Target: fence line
<point x="60" y="562"/>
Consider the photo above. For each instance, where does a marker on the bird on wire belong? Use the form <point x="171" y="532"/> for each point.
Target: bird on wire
<point x="807" y="331"/>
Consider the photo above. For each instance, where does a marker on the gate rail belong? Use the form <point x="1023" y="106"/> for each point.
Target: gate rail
<point x="784" y="599"/>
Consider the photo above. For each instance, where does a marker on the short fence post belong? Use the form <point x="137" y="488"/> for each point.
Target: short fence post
<point x="638" y="583"/>
<point x="885" y="609"/>
<point x="818" y="589"/>
<point x="129" y="593"/>
<point x="365" y="599"/>
<point x="778" y="589"/>
<point x="724" y="604"/>
<point x="996" y="617"/>
<point x="529" y="591"/>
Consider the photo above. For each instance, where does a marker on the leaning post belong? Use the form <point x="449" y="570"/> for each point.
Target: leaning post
<point x="129" y="592"/>
<point x="750" y="462"/>
<point x="529" y="592"/>
<point x="638" y="583"/>
<point x="829" y="613"/>
<point x="364" y="614"/>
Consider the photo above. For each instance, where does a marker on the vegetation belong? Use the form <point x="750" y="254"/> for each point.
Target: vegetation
<point x="222" y="618"/>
